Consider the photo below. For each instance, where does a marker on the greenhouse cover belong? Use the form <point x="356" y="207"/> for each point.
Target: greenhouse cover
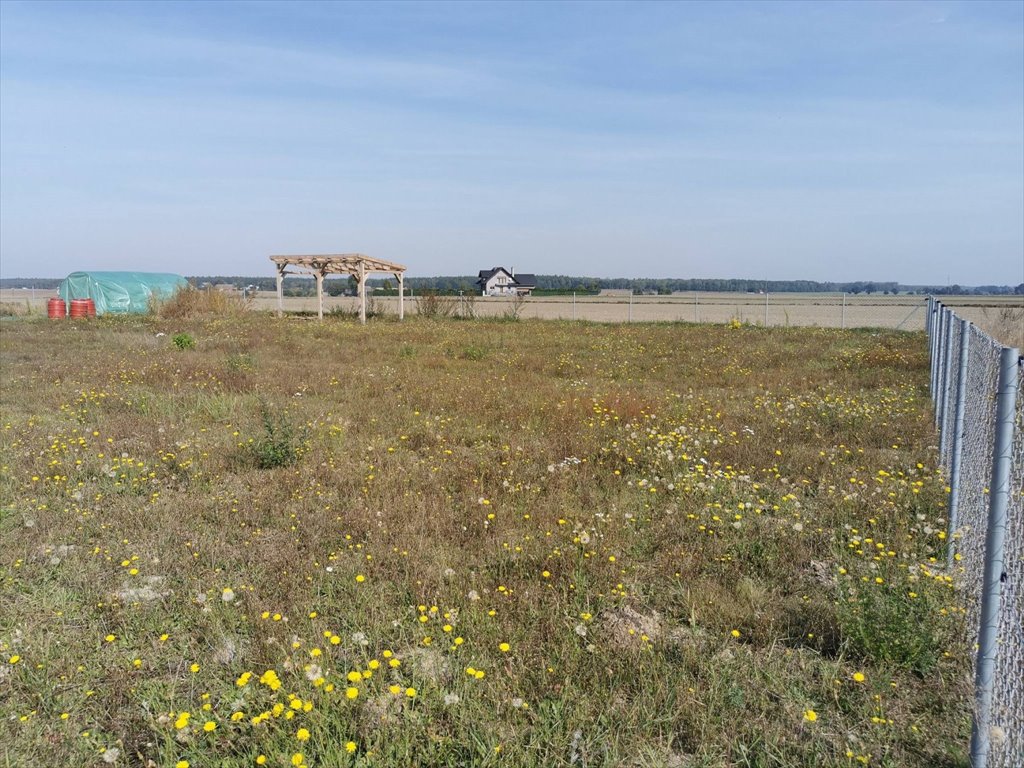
<point x="120" y="292"/>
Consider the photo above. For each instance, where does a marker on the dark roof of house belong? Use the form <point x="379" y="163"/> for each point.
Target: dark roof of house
<point x="525" y="280"/>
<point x="487" y="274"/>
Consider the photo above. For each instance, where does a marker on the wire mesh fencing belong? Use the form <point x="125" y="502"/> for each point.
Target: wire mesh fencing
<point x="974" y="384"/>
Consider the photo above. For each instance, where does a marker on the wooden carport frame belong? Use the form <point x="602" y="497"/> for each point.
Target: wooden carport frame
<point x="356" y="264"/>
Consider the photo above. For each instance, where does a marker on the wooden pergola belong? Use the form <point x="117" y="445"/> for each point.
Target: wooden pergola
<point x="356" y="264"/>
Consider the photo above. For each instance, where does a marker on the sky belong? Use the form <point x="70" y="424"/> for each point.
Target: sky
<point x="821" y="141"/>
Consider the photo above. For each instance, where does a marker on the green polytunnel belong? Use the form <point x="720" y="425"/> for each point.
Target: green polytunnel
<point x="120" y="292"/>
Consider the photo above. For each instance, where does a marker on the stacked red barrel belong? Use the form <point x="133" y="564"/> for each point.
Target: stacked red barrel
<point x="56" y="309"/>
<point x="83" y="308"/>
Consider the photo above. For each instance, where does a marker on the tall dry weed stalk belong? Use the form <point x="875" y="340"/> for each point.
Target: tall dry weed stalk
<point x="432" y="304"/>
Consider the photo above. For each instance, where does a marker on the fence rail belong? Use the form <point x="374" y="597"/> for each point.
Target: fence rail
<point x="826" y="310"/>
<point x="974" y="386"/>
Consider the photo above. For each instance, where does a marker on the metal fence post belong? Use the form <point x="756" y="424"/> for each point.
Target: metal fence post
<point x="696" y="303"/>
<point x="936" y="328"/>
<point x="766" y="309"/>
<point x="958" y="444"/>
<point x="947" y="366"/>
<point x="999" y="496"/>
<point x="928" y="319"/>
<point x="843" y="325"/>
<point x="574" y="305"/>
<point x="630" y="318"/>
<point x="933" y="326"/>
<point x="940" y="348"/>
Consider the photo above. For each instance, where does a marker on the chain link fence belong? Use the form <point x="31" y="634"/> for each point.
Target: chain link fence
<point x="974" y="384"/>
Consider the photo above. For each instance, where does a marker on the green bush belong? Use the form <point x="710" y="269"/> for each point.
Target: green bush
<point x="183" y="341"/>
<point x="279" y="445"/>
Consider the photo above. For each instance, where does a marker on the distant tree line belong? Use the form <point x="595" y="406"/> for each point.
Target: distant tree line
<point x="565" y="284"/>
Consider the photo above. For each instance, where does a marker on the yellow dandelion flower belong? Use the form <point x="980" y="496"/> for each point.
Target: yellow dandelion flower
<point x="209" y="726"/>
<point x="858" y="677"/>
<point x="351" y="692"/>
<point x="735" y="633"/>
<point x="302" y="734"/>
<point x="350" y="747"/>
<point x="182" y="764"/>
<point x="810" y="715"/>
<point x="410" y="692"/>
<point x="504" y="647"/>
<point x="298" y="759"/>
<point x="14" y="659"/>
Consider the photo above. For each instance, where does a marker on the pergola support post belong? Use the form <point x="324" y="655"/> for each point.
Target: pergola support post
<point x="319" y="275"/>
<point x="401" y="295"/>
<point x="362" y="295"/>
<point x="280" y="290"/>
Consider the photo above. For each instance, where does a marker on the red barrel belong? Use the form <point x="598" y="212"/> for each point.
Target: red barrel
<point x="83" y="308"/>
<point x="56" y="309"/>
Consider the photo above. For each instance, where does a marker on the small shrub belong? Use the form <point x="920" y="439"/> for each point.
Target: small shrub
<point x="514" y="310"/>
<point x="343" y="312"/>
<point x="10" y="309"/>
<point x="183" y="341"/>
<point x="431" y="304"/>
<point x="240" y="362"/>
<point x="278" y="446"/>
<point x="473" y="352"/>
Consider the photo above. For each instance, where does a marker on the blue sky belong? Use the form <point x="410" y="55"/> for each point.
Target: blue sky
<point x="824" y="141"/>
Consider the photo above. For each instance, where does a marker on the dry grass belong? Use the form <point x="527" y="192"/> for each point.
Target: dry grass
<point x="14" y="309"/>
<point x="190" y="302"/>
<point x="528" y="544"/>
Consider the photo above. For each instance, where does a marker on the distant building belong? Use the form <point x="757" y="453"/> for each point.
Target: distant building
<point x="499" y="281"/>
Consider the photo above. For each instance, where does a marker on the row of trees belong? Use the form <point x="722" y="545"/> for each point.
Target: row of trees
<point x="548" y="284"/>
<point x="551" y="284"/>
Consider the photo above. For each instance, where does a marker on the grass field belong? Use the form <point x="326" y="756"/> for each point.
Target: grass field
<point x="244" y="541"/>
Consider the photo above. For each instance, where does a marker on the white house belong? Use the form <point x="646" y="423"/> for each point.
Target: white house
<point x="499" y="281"/>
